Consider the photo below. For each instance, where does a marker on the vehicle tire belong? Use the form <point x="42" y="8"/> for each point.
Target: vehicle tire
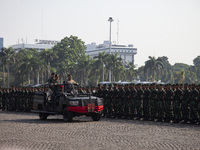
<point x="96" y="116"/>
<point x="67" y="115"/>
<point x="43" y="116"/>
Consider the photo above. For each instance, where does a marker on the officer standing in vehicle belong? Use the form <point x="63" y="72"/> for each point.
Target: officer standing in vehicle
<point x="52" y="80"/>
<point x="70" y="80"/>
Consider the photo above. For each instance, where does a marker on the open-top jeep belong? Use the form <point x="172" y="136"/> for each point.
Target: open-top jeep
<point x="66" y="99"/>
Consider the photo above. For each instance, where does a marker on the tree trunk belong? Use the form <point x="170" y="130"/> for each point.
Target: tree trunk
<point x="103" y="73"/>
<point x="48" y="69"/>
<point x="42" y="76"/>
<point x="147" y="75"/>
<point x="82" y="79"/>
<point x="154" y="74"/>
<point x="22" y="80"/>
<point x="38" y="77"/>
<point x="86" y="80"/>
<point x="33" y="78"/>
<point x="3" y="76"/>
<point x="96" y="79"/>
<point x="29" y="82"/>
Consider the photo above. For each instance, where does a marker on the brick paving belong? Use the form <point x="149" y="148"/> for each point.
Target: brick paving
<point x="24" y="131"/>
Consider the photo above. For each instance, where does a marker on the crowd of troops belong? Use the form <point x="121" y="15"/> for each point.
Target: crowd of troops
<point x="170" y="103"/>
<point x="17" y="98"/>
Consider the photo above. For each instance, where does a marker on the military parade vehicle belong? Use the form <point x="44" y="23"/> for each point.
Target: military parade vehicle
<point x="67" y="100"/>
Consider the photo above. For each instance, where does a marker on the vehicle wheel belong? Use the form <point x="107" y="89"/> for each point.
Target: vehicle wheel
<point x="96" y="116"/>
<point x="67" y="115"/>
<point x="43" y="116"/>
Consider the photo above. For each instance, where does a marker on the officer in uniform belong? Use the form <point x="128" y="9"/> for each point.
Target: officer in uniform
<point x="169" y="103"/>
<point x="127" y="101"/>
<point x="106" y="99"/>
<point x="110" y="101"/>
<point x="139" y="101"/>
<point x="70" y="80"/>
<point x="177" y="103"/>
<point x="185" y="103"/>
<point x="146" y="102"/>
<point x="194" y="102"/>
<point x="121" y="102"/>
<point x="160" y="103"/>
<point x="115" y="101"/>
<point x="133" y="101"/>
<point x="154" y="96"/>
<point x="52" y="80"/>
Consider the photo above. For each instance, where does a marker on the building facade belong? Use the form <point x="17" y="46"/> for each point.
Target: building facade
<point x="126" y="52"/>
<point x="1" y="43"/>
<point x="39" y="45"/>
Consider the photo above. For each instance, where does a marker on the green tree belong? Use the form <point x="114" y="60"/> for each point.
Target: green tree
<point x="100" y="63"/>
<point x="6" y="57"/>
<point x="131" y="72"/>
<point x="196" y="61"/>
<point x="152" y="65"/>
<point x="48" y="55"/>
<point x="113" y="63"/>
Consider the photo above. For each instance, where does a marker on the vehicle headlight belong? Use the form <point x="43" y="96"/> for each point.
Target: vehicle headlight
<point x="73" y="103"/>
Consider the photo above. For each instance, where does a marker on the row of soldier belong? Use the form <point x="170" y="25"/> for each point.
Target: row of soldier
<point x="17" y="98"/>
<point x="170" y="103"/>
<point x="149" y="101"/>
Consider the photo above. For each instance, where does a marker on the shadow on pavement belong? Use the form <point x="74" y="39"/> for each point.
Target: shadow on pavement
<point x="48" y="121"/>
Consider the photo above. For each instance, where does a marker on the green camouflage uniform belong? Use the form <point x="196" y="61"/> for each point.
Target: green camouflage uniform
<point x="177" y="104"/>
<point x="146" y="103"/>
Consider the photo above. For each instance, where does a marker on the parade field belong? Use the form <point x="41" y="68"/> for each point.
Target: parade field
<point x="25" y="131"/>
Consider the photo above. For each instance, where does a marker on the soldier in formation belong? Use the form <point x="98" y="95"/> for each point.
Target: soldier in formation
<point x="169" y="103"/>
<point x="17" y="98"/>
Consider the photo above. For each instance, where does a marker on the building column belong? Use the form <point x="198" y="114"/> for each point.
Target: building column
<point x="133" y="59"/>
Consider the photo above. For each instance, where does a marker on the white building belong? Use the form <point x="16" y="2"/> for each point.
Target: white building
<point x="125" y="52"/>
<point x="39" y="45"/>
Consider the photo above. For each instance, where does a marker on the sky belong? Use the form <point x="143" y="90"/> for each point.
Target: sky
<point x="155" y="27"/>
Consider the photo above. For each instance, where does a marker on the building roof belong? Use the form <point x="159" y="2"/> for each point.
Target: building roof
<point x="35" y="46"/>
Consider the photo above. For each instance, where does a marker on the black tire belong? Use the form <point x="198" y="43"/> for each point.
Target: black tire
<point x="67" y="115"/>
<point x="43" y="116"/>
<point x="96" y="116"/>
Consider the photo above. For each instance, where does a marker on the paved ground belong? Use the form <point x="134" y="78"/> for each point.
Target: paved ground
<point x="24" y="131"/>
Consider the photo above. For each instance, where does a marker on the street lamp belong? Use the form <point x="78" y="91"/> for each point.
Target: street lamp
<point x="110" y="20"/>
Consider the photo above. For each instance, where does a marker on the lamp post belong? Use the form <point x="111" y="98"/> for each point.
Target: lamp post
<point x="110" y="20"/>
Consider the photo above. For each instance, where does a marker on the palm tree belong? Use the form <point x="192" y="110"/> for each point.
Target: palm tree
<point x="152" y="65"/>
<point x="84" y="67"/>
<point x="113" y="62"/>
<point x="101" y="60"/>
<point x="47" y="55"/>
<point x="88" y="67"/>
<point x="6" y="56"/>
<point x="180" y="77"/>
<point x="130" y="71"/>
